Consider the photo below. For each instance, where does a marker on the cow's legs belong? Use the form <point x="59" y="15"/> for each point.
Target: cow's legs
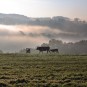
<point x="47" y="51"/>
<point x="40" y="52"/>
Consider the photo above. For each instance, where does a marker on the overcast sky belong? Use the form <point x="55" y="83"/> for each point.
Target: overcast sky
<point x="46" y="8"/>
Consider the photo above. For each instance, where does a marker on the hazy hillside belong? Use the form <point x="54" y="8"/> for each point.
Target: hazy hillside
<point x="24" y="31"/>
<point x="12" y="19"/>
<point x="68" y="48"/>
<point x="21" y="19"/>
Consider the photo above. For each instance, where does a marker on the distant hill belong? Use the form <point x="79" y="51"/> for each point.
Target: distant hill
<point x="12" y="19"/>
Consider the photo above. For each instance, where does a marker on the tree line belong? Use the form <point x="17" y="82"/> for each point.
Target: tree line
<point x="79" y="47"/>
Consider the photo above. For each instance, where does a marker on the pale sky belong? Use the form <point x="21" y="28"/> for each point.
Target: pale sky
<point x="46" y="8"/>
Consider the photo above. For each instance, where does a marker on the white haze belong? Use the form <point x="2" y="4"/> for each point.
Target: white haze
<point x="15" y="38"/>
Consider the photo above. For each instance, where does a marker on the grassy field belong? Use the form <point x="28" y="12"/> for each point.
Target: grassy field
<point x="43" y="70"/>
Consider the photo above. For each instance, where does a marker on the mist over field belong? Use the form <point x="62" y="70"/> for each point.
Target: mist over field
<point x="18" y="31"/>
<point x="14" y="38"/>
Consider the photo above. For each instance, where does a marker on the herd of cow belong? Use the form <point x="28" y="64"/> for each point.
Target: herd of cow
<point x="41" y="49"/>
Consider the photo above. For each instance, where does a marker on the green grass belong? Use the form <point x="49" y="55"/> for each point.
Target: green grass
<point x="43" y="70"/>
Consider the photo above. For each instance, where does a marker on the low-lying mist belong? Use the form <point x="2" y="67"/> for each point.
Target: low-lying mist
<point x="16" y="37"/>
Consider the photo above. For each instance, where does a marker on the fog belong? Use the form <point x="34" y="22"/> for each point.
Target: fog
<point x="19" y="36"/>
<point x="15" y="38"/>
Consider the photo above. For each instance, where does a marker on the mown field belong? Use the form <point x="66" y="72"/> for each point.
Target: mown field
<point x="43" y="70"/>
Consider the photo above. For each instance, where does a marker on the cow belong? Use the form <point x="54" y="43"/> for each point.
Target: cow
<point x="27" y="50"/>
<point x="41" y="49"/>
<point x="54" y="50"/>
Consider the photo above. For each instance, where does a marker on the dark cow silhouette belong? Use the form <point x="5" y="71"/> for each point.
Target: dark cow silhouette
<point x="41" y="49"/>
<point x="27" y="50"/>
<point x="54" y="50"/>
